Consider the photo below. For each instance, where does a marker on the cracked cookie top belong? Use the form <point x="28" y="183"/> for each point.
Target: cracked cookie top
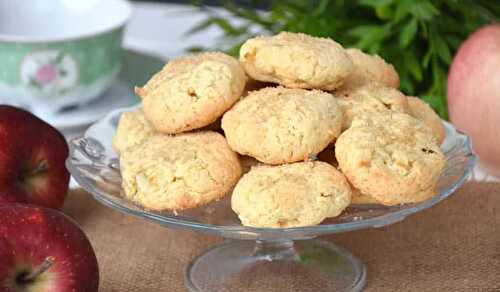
<point x="280" y="125"/>
<point x="179" y="172"/>
<point x="296" y="60"/>
<point x="191" y="92"/>
<point x="290" y="195"/>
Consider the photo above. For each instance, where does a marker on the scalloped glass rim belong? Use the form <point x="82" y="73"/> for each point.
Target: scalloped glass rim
<point x="91" y="158"/>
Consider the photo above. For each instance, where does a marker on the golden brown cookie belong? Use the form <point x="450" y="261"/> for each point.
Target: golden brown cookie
<point x="391" y="156"/>
<point x="280" y="125"/>
<point x="370" y="68"/>
<point x="192" y="92"/>
<point x="370" y="98"/>
<point x="133" y="129"/>
<point x="179" y="172"/>
<point x="290" y="195"/>
<point x="420" y="110"/>
<point x="296" y="60"/>
<point x="359" y="198"/>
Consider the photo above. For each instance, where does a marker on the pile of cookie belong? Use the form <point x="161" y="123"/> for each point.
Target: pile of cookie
<point x="295" y="131"/>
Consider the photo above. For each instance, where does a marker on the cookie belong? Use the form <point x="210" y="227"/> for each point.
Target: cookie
<point x="290" y="195"/>
<point x="192" y="92"/>
<point x="179" y="172"/>
<point x="359" y="198"/>
<point x="420" y="110"/>
<point x="296" y="60"/>
<point x="279" y="125"/>
<point x="133" y="129"/>
<point x="391" y="156"/>
<point x="370" y="98"/>
<point x="370" y="68"/>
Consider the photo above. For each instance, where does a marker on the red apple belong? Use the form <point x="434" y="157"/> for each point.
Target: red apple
<point x="474" y="93"/>
<point x="42" y="250"/>
<point x="32" y="157"/>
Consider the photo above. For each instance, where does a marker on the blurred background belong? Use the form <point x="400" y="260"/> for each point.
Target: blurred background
<point x="258" y="4"/>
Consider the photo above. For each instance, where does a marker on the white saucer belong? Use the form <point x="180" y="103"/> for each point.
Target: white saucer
<point x="117" y="96"/>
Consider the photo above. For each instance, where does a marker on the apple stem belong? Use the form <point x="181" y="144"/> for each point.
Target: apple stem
<point x="47" y="263"/>
<point x="26" y="174"/>
<point x="40" y="167"/>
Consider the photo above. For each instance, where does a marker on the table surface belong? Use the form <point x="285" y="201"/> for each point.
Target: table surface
<point x="454" y="246"/>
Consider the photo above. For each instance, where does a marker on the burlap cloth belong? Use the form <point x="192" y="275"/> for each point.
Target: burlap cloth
<point x="454" y="246"/>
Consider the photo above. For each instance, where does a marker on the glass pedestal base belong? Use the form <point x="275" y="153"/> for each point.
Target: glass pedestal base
<point x="304" y="265"/>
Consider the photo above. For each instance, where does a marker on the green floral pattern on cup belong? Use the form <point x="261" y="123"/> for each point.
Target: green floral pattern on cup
<point x="66" y="72"/>
<point x="101" y="54"/>
<point x="49" y="73"/>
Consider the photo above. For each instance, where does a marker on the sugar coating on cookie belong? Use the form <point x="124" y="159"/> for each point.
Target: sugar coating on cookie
<point x="391" y="156"/>
<point x="280" y="125"/>
<point x="191" y="92"/>
<point x="290" y="195"/>
<point x="420" y="110"/>
<point x="370" y="68"/>
<point x="370" y="98"/>
<point x="296" y="60"/>
<point x="179" y="172"/>
<point x="133" y="129"/>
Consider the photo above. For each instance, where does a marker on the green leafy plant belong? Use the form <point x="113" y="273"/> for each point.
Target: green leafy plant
<point x="419" y="37"/>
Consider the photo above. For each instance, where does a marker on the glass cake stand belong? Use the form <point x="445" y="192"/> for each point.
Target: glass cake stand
<point x="288" y="259"/>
